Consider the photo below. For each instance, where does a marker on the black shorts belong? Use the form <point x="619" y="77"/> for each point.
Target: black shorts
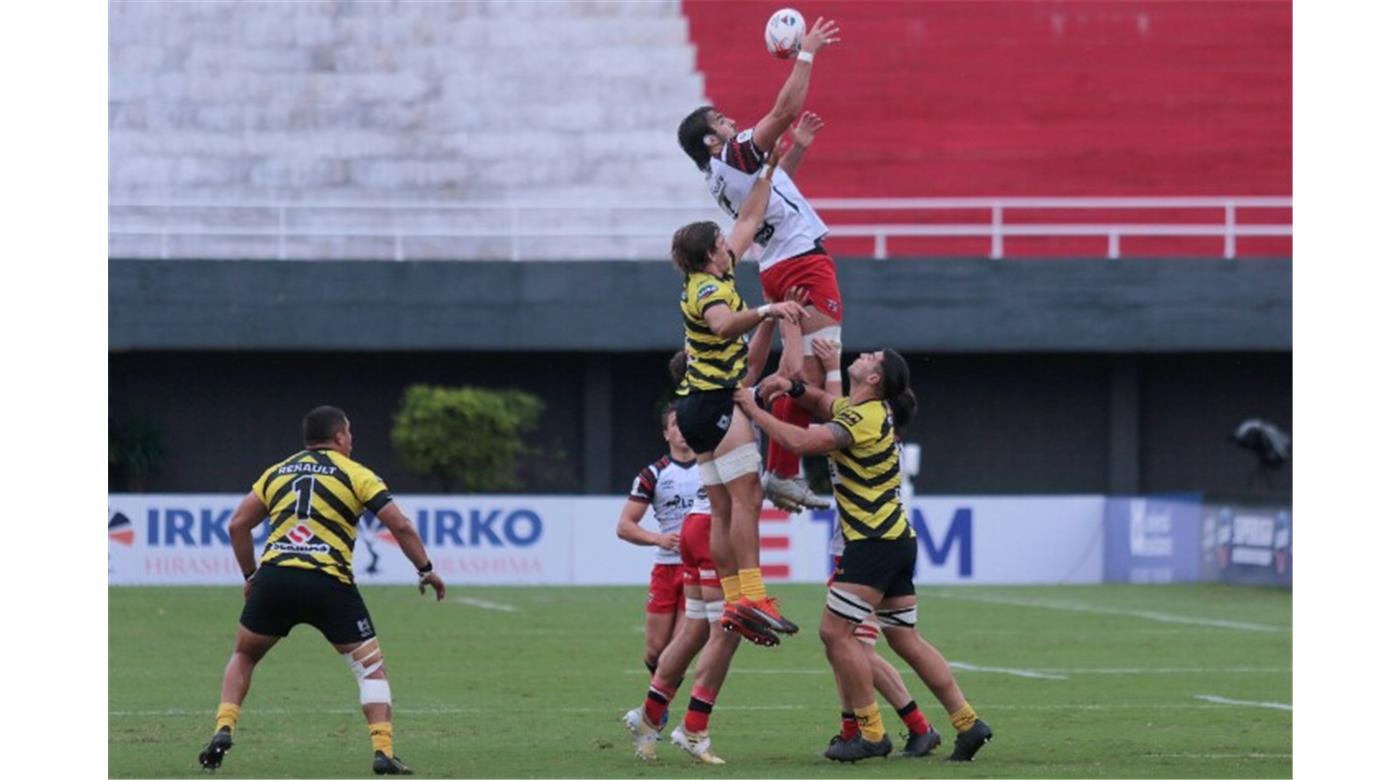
<point x="886" y="565"/>
<point x="282" y="597"/>
<point x="703" y="417"/>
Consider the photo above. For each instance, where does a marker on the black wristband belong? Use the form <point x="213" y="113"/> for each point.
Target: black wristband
<point x="428" y="569"/>
<point x="798" y="388"/>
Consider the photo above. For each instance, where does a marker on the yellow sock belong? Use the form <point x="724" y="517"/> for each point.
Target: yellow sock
<point x="964" y="718"/>
<point x="731" y="588"/>
<point x="751" y="583"/>
<point x="871" y="727"/>
<point x="227" y="715"/>
<point x="381" y="736"/>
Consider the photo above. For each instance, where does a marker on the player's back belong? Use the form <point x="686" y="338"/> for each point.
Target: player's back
<point x="314" y="500"/>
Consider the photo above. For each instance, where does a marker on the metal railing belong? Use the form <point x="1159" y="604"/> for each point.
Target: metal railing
<point x="404" y="222"/>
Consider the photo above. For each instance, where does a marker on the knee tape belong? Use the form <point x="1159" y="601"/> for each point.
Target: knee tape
<point x="714" y="610"/>
<point x="905" y="617"/>
<point x="829" y="333"/>
<point x="365" y="660"/>
<point x="694" y="608"/>
<point x="739" y="461"/>
<point x="709" y="475"/>
<point x="848" y="606"/>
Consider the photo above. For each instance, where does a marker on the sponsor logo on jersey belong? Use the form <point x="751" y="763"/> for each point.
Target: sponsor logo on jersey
<point x="706" y="291"/>
<point x="300" y="535"/>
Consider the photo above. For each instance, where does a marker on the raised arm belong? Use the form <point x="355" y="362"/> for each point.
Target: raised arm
<point x="812" y="440"/>
<point x="750" y="217"/>
<point x="794" y="92"/>
<point x="760" y="346"/>
<point x="803" y="134"/>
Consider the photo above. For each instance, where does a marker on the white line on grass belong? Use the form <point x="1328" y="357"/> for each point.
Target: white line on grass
<point x="1072" y="606"/>
<point x="1273" y="705"/>
<point x="985" y="707"/>
<point x="1218" y="755"/>
<point x="1004" y="670"/>
<point x="484" y="604"/>
<point x="1177" y="670"/>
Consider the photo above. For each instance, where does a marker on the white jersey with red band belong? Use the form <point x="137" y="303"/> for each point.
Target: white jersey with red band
<point x="669" y="487"/>
<point x="790" y="226"/>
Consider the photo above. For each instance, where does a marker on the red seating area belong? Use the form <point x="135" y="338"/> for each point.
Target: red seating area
<point x="926" y="99"/>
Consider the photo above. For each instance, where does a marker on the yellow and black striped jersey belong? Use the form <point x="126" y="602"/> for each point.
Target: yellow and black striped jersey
<point x="712" y="362"/>
<point x="866" y="475"/>
<point x="314" y="500"/>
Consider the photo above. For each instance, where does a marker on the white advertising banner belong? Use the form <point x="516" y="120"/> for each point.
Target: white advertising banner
<point x="158" y="539"/>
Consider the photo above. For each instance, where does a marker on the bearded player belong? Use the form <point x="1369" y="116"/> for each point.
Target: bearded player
<point x="790" y="237"/>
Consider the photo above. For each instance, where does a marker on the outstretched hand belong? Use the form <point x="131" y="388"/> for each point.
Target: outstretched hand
<point x="823" y="33"/>
<point x="805" y="131"/>
<point x="828" y="353"/>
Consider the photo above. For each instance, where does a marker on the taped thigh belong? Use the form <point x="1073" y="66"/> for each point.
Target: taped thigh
<point x="739" y="461"/>
<point x="364" y="660"/>
<point x="847" y="606"/>
<point x="829" y="333"/>
<point x="903" y="617"/>
<point x="709" y="474"/>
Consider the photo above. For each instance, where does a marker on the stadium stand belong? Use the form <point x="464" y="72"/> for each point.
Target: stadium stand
<point x="361" y="103"/>
<point x="547" y="130"/>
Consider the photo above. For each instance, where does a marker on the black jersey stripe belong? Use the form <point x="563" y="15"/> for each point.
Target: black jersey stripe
<point x="724" y="366"/>
<point x="869" y="461"/>
<point x="868" y="505"/>
<point x="349" y="516"/>
<point x="325" y="460"/>
<point x="379" y="500"/>
<point x="850" y="475"/>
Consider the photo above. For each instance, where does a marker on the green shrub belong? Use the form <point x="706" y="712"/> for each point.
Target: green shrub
<point x="467" y="438"/>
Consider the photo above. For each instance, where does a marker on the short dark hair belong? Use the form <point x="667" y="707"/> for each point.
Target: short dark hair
<point x="691" y="245"/>
<point x="691" y="135"/>
<point x="677" y="367"/>
<point x="666" y="412"/>
<point x="894" y="381"/>
<point x="322" y="424"/>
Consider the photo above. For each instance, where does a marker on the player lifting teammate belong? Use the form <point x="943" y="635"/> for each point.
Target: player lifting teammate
<point x="716" y="319"/>
<point x="790" y="235"/>
<point x="668" y="486"/>
<point x="877" y="569"/>
<point x="314" y="499"/>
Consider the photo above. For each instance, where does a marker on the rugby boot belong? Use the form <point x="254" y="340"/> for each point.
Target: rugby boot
<point x="919" y="745"/>
<point x="765" y="612"/>
<point x="697" y="745"/>
<point x="969" y="742"/>
<point x="754" y="631"/>
<point x="858" y="749"/>
<point x="792" y="490"/>
<point x="212" y="756"/>
<point x="643" y="734"/>
<point x="389" y="765"/>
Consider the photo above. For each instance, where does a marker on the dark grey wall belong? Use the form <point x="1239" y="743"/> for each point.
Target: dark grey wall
<point x="914" y="305"/>
<point x="988" y="423"/>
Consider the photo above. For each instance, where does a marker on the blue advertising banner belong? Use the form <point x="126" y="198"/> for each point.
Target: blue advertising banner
<point x="1152" y="539"/>
<point x="1247" y="544"/>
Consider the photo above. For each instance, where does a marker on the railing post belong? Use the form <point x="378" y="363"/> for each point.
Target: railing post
<point x="998" y="251"/>
<point x="281" y="232"/>
<point x="1229" y="230"/>
<point x="1113" y="245"/>
<point x="881" y="251"/>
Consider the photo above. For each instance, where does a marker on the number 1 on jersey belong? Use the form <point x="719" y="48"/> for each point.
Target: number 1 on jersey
<point x="304" y="486"/>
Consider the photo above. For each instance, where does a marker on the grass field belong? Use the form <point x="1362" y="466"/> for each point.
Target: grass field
<point x="1077" y="681"/>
